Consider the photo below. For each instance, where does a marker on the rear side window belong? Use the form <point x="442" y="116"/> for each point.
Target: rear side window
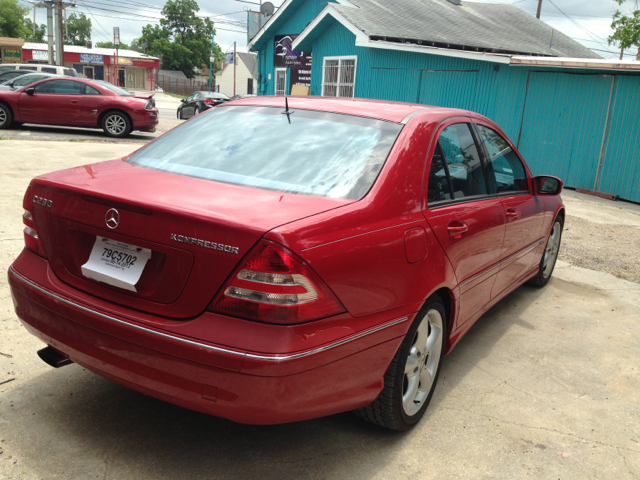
<point x="6" y="68"/>
<point x="33" y="69"/>
<point x="59" y="87"/>
<point x="91" y="91"/>
<point x="505" y="168"/>
<point x="463" y="161"/>
<point x="318" y="153"/>
<point x="48" y="70"/>
<point x="439" y="188"/>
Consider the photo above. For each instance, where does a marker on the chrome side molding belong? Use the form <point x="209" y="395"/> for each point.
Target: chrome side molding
<point x="265" y="357"/>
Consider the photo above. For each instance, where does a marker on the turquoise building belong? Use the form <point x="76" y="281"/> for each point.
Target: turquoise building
<point x="570" y="112"/>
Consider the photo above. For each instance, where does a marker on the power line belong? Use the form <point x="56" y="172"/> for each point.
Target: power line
<point x="592" y="35"/>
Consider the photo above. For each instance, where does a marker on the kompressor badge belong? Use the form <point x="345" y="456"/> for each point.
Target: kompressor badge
<point x="204" y="243"/>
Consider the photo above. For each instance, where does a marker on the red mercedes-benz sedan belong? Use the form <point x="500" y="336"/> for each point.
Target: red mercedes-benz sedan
<point x="77" y="102"/>
<point x="269" y="263"/>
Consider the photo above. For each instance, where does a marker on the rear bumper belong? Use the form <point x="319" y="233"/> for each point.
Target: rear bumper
<point x="244" y="386"/>
<point x="146" y="122"/>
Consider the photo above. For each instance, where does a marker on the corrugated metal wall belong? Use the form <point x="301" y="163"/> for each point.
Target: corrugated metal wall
<point x="453" y="88"/>
<point x="620" y="165"/>
<point x="563" y="125"/>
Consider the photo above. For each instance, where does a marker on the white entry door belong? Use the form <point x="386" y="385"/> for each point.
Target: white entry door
<point x="281" y="81"/>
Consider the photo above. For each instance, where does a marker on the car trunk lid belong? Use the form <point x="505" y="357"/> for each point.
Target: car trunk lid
<point x="197" y="230"/>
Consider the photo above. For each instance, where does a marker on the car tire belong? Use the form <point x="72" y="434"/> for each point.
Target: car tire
<point x="116" y="125"/>
<point x="180" y="115"/>
<point x="196" y="111"/>
<point x="404" y="398"/>
<point x="550" y="255"/>
<point x="6" y="116"/>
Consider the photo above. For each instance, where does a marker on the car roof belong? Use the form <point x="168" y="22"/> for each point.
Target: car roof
<point x="379" y="109"/>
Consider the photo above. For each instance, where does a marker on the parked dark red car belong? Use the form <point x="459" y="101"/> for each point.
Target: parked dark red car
<point x="269" y="264"/>
<point x="77" y="102"/>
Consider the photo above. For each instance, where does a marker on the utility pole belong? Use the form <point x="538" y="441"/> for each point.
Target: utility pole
<point x="211" y="60"/>
<point x="116" y="40"/>
<point x="48" y="4"/>
<point x="34" y="20"/>
<point x="234" y="68"/>
<point x="59" y="36"/>
<point x="539" y="9"/>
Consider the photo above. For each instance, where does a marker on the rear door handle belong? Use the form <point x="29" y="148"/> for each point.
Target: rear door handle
<point x="74" y="101"/>
<point x="512" y="213"/>
<point x="457" y="229"/>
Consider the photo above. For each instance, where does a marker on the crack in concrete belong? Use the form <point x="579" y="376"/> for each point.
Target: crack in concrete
<point x="542" y="428"/>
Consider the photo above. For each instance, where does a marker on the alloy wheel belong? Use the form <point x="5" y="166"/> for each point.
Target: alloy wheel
<point x="422" y="362"/>
<point x="116" y="125"/>
<point x="551" y="251"/>
<point x="3" y="116"/>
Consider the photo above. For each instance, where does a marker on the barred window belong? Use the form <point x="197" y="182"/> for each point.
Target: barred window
<point x="339" y="76"/>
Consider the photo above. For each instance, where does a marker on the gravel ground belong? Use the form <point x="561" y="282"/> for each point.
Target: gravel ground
<point x="602" y="235"/>
<point x="614" y="249"/>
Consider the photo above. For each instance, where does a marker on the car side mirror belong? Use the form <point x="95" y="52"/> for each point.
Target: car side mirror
<point x="546" y="185"/>
<point x="30" y="91"/>
<point x="183" y="100"/>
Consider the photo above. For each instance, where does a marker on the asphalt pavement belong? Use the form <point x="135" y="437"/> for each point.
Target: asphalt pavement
<point x="544" y="386"/>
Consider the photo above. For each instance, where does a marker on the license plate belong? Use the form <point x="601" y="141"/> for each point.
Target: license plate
<point x="116" y="263"/>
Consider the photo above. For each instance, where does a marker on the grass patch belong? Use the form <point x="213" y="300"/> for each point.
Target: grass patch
<point x="174" y="95"/>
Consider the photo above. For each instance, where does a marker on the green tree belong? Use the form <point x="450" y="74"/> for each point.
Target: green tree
<point x="40" y="32"/>
<point x="123" y="46"/>
<point x="79" y="26"/>
<point x="12" y="19"/>
<point x="626" y="29"/>
<point x="182" y="39"/>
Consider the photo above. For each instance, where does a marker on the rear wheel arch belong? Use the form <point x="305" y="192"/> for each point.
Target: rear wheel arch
<point x="111" y="110"/>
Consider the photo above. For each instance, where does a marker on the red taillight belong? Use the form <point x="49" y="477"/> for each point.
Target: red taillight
<point x="275" y="286"/>
<point x="31" y="237"/>
<point x="209" y="101"/>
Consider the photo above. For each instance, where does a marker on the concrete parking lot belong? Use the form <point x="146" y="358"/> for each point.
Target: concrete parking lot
<point x="166" y="105"/>
<point x="545" y="385"/>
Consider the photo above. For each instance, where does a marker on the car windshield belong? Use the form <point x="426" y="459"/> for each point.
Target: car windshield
<point x="28" y="80"/>
<point x="318" y="153"/>
<point x="120" y="91"/>
<point x="6" y="76"/>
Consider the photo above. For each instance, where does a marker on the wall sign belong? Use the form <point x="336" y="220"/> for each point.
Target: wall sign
<point x="299" y="63"/>
<point x="123" y="61"/>
<point x="283" y="53"/>
<point x="90" y="58"/>
<point x="12" y="55"/>
<point x="40" y="55"/>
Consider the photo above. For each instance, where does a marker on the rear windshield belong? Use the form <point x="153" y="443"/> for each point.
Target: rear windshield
<point x="214" y="95"/>
<point x="318" y="153"/>
<point x="120" y="91"/>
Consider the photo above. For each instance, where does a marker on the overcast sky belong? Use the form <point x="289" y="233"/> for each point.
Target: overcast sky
<point x="589" y="20"/>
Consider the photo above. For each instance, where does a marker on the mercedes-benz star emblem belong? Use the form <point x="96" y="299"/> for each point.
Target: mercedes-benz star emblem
<point x="112" y="218"/>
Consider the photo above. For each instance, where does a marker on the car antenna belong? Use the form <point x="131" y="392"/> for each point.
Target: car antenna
<point x="287" y="112"/>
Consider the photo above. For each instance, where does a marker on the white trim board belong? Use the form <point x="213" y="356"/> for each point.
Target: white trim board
<point x="277" y="14"/>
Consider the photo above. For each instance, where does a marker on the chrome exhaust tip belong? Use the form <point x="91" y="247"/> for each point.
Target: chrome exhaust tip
<point x="52" y="357"/>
